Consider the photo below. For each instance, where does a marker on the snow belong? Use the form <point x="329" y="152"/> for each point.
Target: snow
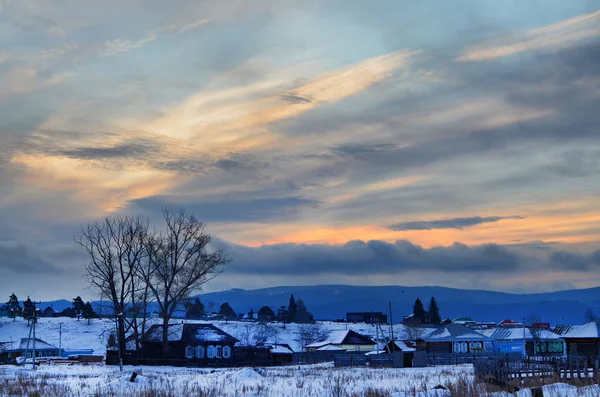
<point x="502" y="333"/>
<point x="589" y="330"/>
<point x="332" y="338"/>
<point x="209" y="335"/>
<point x="175" y="332"/>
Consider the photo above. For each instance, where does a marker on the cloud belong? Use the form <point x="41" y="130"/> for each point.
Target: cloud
<point x="233" y="207"/>
<point x="369" y="257"/>
<point x="576" y="261"/>
<point x="20" y="259"/>
<point x="557" y="35"/>
<point x="117" y="46"/>
<point x="452" y="223"/>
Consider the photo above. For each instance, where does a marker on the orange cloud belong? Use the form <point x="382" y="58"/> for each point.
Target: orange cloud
<point x="224" y="117"/>
<point x="556" y="35"/>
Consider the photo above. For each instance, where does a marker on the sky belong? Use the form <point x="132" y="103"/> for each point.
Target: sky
<point x="322" y="142"/>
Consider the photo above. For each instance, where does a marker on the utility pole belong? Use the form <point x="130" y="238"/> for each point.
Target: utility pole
<point x="391" y="323"/>
<point x="524" y="339"/>
<point x="60" y="339"/>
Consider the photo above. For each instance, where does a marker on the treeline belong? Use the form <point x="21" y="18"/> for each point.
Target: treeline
<point x="29" y="311"/>
<point x="295" y="312"/>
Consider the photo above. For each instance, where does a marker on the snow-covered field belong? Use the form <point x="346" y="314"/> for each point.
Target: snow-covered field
<point x="293" y="381"/>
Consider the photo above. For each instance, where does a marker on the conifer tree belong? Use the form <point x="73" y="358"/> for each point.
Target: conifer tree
<point x="434" y="312"/>
<point x="28" y="309"/>
<point x="78" y="305"/>
<point x="14" y="309"/>
<point x="419" y="311"/>
<point x="292" y="309"/>
<point x="88" y="312"/>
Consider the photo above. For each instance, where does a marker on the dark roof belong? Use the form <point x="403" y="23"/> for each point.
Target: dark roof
<point x="562" y="329"/>
<point x="190" y="333"/>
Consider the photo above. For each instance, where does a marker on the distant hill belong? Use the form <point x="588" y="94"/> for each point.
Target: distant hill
<point x="333" y="301"/>
<point x="330" y="302"/>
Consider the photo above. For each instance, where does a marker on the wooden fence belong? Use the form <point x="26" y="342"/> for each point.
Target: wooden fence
<point x="505" y="371"/>
<point x="434" y="359"/>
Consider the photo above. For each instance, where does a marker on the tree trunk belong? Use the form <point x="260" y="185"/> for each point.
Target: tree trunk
<point x="165" y="337"/>
<point x="122" y="343"/>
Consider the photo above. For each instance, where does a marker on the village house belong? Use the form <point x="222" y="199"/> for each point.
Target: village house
<point x="189" y="345"/>
<point x="346" y="340"/>
<point x="48" y="312"/>
<point x="530" y="341"/>
<point x="457" y="338"/>
<point x="25" y="348"/>
<point x="581" y="340"/>
<point x="366" y="317"/>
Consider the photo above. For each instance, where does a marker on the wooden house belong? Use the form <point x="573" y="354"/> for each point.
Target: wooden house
<point x="347" y="340"/>
<point x="528" y="341"/>
<point x="47" y="312"/>
<point x="25" y="348"/>
<point x="582" y="340"/>
<point x="457" y="338"/>
<point x="189" y="345"/>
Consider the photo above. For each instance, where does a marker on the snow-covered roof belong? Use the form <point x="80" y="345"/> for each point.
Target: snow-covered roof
<point x="452" y="332"/>
<point x="339" y="337"/>
<point x="330" y="348"/>
<point x="517" y="334"/>
<point x="403" y="346"/>
<point x="154" y="334"/>
<point x="281" y="349"/>
<point x="589" y="330"/>
<point x="39" y="345"/>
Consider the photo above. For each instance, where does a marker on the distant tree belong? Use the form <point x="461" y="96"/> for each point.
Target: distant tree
<point x="590" y="316"/>
<point x="265" y="313"/>
<point x="419" y="311"/>
<point x="78" y="306"/>
<point x="226" y="311"/>
<point x="111" y="343"/>
<point x="264" y="334"/>
<point x="194" y="310"/>
<point x="283" y="315"/>
<point x="310" y="333"/>
<point x="292" y="309"/>
<point x="68" y="312"/>
<point x="88" y="312"/>
<point x="14" y="309"/>
<point x="28" y="310"/>
<point x="412" y="333"/>
<point x="302" y="314"/>
<point x="434" y="312"/>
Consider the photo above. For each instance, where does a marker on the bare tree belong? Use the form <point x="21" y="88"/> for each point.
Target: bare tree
<point x="309" y="333"/>
<point x="116" y="248"/>
<point x="265" y="333"/>
<point x="412" y="333"/>
<point x="180" y="263"/>
<point x="590" y="316"/>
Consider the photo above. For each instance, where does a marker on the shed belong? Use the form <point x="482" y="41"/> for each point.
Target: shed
<point x="344" y="339"/>
<point x="582" y="340"/>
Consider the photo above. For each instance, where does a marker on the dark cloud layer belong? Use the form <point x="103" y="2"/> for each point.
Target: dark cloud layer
<point x="233" y="208"/>
<point x="372" y="257"/>
<point x="452" y="223"/>
<point x="18" y="259"/>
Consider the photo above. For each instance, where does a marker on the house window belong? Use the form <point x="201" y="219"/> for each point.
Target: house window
<point x="210" y="351"/>
<point x="199" y="351"/>
<point x="189" y="352"/>
<point x="226" y="352"/>
<point x="219" y="351"/>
